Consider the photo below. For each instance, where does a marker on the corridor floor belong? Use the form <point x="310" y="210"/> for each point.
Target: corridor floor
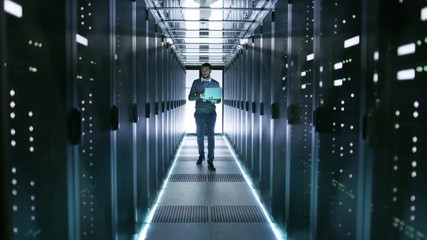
<point x="199" y="204"/>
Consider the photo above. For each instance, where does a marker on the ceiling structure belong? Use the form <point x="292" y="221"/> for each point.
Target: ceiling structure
<point x="208" y="30"/>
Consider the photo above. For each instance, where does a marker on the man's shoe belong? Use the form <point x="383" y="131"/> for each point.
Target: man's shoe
<point x="211" y="167"/>
<point x="200" y="160"/>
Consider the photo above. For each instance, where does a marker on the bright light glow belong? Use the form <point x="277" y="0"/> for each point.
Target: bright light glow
<point x="303" y="74"/>
<point x="407" y="74"/>
<point x="424" y="14"/>
<point x="204" y="54"/>
<point x="303" y="86"/>
<point x="338" y="82"/>
<point x="277" y="231"/>
<point x="310" y="57"/>
<point x="376" y="55"/>
<point x="12" y="8"/>
<point x="143" y="233"/>
<point x="352" y="42"/>
<point x="243" y="41"/>
<point x="375" y="78"/>
<point x="82" y="40"/>
<point x="338" y="65"/>
<point x="196" y="58"/>
<point x="204" y="40"/>
<point x="214" y="39"/>
<point x="406" y="49"/>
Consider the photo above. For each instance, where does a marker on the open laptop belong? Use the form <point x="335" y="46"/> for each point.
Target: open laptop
<point x="214" y="93"/>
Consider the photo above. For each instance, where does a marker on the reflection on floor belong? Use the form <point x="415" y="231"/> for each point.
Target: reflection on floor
<point x="199" y="204"/>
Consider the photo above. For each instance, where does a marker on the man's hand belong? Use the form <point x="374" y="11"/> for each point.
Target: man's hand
<point x="213" y="101"/>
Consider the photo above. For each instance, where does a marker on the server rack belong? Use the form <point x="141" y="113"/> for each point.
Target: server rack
<point x="75" y="140"/>
<point x="353" y="113"/>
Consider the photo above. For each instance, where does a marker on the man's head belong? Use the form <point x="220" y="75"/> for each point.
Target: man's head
<point x="205" y="70"/>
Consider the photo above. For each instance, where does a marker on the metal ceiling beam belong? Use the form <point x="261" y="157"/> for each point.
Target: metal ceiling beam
<point x="211" y="48"/>
<point x="208" y="21"/>
<point x="209" y="8"/>
<point x="205" y="37"/>
<point x="255" y="17"/>
<point x="205" y="30"/>
<point x="218" y="55"/>
<point x="231" y="44"/>
<point x="199" y="63"/>
<point x="203" y="50"/>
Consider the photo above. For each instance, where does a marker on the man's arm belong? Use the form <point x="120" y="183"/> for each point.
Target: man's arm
<point x="194" y="95"/>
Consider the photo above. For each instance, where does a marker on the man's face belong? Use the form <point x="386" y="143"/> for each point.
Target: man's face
<point x="206" y="72"/>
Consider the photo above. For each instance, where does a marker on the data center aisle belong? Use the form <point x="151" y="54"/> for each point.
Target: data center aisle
<point x="199" y="204"/>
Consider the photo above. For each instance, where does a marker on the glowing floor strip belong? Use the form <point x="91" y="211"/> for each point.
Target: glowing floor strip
<point x="277" y="231"/>
<point x="142" y="235"/>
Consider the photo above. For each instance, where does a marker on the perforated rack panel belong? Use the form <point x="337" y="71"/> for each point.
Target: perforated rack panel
<point x="74" y="141"/>
<point x="33" y="58"/>
<point x="402" y="77"/>
<point x="300" y="83"/>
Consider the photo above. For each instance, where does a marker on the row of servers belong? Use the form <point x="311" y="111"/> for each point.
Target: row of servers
<point x="325" y="106"/>
<point x="92" y="102"/>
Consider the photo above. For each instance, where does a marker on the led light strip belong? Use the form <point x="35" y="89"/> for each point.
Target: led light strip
<point x="142" y="235"/>
<point x="277" y="231"/>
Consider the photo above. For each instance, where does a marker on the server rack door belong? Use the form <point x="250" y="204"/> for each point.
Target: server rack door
<point x="257" y="116"/>
<point x="5" y="227"/>
<point x="182" y="108"/>
<point x="236" y="88"/>
<point x="339" y="123"/>
<point x="229" y="89"/>
<point x="234" y="110"/>
<point x="279" y="114"/>
<point x="400" y="121"/>
<point x="227" y="99"/>
<point x="152" y="137"/>
<point x="249" y="110"/>
<point x="169" y="65"/>
<point x="171" y="92"/>
<point x="166" y="94"/>
<point x="95" y="159"/>
<point x="236" y="129"/>
<point x="174" y="90"/>
<point x="123" y="99"/>
<point x="266" y="130"/>
<point x="252" y="103"/>
<point x="179" y="90"/>
<point x="300" y="77"/>
<point x="34" y="108"/>
<point x="241" y="127"/>
<point x="168" y="151"/>
<point x="157" y="107"/>
<point x="245" y="89"/>
<point x="228" y="79"/>
<point x="173" y="110"/>
<point x="141" y="100"/>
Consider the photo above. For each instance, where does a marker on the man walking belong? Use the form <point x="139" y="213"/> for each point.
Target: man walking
<point x="205" y="113"/>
